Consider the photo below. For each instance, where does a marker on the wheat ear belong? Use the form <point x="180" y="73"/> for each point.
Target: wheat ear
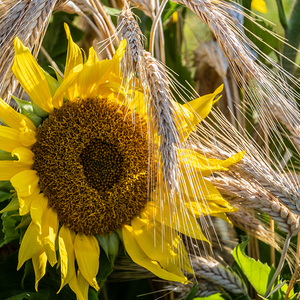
<point x="263" y="201"/>
<point x="27" y="20"/>
<point x="212" y="271"/>
<point x="156" y="85"/>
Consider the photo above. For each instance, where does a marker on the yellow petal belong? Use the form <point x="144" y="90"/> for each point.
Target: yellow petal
<point x="39" y="262"/>
<point x="74" y="55"/>
<point x="9" y="169"/>
<point x="50" y="230"/>
<point x="83" y="285"/>
<point x="69" y="87"/>
<point x="9" y="139"/>
<point x="31" y="77"/>
<point x="88" y="78"/>
<point x="87" y="252"/>
<point x="193" y="112"/>
<point x="25" y="202"/>
<point x="138" y="256"/>
<point x="31" y="244"/>
<point x="24" y="155"/>
<point x="25" y="182"/>
<point x="177" y="218"/>
<point x="158" y="246"/>
<point x="27" y="137"/>
<point x="67" y="256"/>
<point x="259" y="5"/>
<point x="202" y="165"/>
<point x="74" y="285"/>
<point x="12" y="205"/>
<point x="13" y="119"/>
<point x="37" y="208"/>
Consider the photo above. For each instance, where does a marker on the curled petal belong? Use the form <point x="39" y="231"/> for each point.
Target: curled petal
<point x="25" y="182"/>
<point x="24" y="155"/>
<point x="50" y="230"/>
<point x="39" y="262"/>
<point x="66" y="253"/>
<point x="14" y="119"/>
<point x="27" y="137"/>
<point x="25" y="202"/>
<point x="37" y="208"/>
<point x="9" y="139"/>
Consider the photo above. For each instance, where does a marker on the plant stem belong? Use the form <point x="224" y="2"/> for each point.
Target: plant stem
<point x="292" y="34"/>
<point x="282" y="16"/>
<point x="280" y="265"/>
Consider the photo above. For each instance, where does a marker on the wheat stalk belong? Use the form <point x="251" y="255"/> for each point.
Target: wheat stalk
<point x="27" y="20"/>
<point x="276" y="98"/>
<point x="156" y="85"/>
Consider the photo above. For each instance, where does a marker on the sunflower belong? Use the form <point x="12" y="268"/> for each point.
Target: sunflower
<point x="81" y="172"/>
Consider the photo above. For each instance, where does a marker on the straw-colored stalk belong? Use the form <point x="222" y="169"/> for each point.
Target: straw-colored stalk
<point x="156" y="86"/>
<point x="28" y="20"/>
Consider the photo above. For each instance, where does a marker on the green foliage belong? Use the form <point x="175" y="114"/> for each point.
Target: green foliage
<point x="212" y="297"/>
<point x="192" y="293"/>
<point x="258" y="274"/>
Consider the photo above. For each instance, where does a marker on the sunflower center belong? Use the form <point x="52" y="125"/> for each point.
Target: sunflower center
<point x="92" y="163"/>
<point x="102" y="165"/>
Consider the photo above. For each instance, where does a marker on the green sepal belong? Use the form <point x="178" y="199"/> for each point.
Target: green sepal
<point x="38" y="111"/>
<point x="24" y="222"/>
<point x="9" y="223"/>
<point x="110" y="244"/>
<point x="4" y="196"/>
<point x="105" y="268"/>
<point x="13" y="205"/>
<point x="59" y="78"/>
<point x="26" y="109"/>
<point x="52" y="83"/>
<point x="7" y="156"/>
<point x="24" y="106"/>
<point x="219" y="296"/>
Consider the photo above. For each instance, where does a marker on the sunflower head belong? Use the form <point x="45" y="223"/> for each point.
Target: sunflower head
<point x="81" y="171"/>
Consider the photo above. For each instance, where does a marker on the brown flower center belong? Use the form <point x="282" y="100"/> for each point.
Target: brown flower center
<point x="92" y="163"/>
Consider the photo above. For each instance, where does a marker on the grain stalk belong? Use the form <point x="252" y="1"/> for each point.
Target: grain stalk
<point x="156" y="86"/>
<point x="28" y="20"/>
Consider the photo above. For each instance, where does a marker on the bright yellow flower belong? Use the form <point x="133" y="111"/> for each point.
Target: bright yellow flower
<point x="84" y="172"/>
<point x="259" y="5"/>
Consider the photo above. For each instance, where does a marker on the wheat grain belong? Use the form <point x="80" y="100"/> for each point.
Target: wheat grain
<point x="27" y="20"/>
<point x="262" y="200"/>
<point x="214" y="272"/>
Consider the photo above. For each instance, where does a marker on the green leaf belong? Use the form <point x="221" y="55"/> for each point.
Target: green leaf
<point x="4" y="196"/>
<point x="105" y="268"/>
<point x="170" y="10"/>
<point x="112" y="11"/>
<point x="92" y="294"/>
<point x="10" y="221"/>
<point x="6" y="156"/>
<point x="192" y="292"/>
<point x="212" y="297"/>
<point x="6" y="186"/>
<point x="257" y="273"/>
<point x="110" y="244"/>
<point x="23" y="105"/>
